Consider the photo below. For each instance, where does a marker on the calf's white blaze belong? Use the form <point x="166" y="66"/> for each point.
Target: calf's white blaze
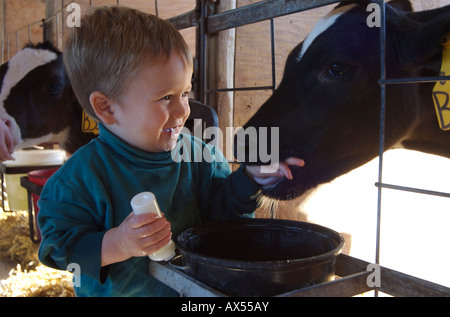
<point x="321" y="26"/>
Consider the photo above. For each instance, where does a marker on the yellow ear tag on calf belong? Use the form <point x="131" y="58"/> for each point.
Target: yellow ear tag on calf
<point x="88" y="125"/>
<point x="441" y="91"/>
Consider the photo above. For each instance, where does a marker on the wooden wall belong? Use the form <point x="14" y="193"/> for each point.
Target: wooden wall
<point x="165" y="9"/>
<point x="18" y="14"/>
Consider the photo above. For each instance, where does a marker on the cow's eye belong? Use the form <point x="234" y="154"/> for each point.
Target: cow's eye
<point x="339" y="70"/>
<point x="54" y="88"/>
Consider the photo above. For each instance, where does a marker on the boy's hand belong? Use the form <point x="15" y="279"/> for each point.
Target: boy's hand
<point x="137" y="235"/>
<point x="257" y="174"/>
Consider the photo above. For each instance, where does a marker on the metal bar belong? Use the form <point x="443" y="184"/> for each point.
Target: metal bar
<point x="58" y="35"/>
<point x="341" y="287"/>
<point x="185" y="20"/>
<point x="413" y="190"/>
<point x="392" y="282"/>
<point x="347" y="265"/>
<point x="399" y="284"/>
<point x="261" y="11"/>
<point x="57" y="12"/>
<point x="30" y="186"/>
<point x="240" y="89"/>
<point x="382" y="126"/>
<point x="34" y="236"/>
<point x="25" y="26"/>
<point x="180" y="282"/>
<point x="272" y="46"/>
<point x="430" y="79"/>
<point x="3" y="191"/>
<point x="202" y="58"/>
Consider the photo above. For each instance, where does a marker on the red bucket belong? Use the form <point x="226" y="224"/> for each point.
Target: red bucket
<point x="39" y="177"/>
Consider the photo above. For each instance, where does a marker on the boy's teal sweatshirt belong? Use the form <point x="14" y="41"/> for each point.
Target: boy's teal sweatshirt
<point x="91" y="194"/>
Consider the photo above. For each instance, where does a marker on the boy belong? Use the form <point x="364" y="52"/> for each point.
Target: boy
<point x="132" y="71"/>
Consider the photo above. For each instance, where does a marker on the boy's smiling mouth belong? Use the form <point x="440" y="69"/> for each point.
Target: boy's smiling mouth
<point x="173" y="132"/>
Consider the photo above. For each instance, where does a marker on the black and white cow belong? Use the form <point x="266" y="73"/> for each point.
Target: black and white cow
<point x="327" y="106"/>
<point x="37" y="102"/>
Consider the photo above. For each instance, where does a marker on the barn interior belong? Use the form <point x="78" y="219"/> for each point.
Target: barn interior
<point x="240" y="49"/>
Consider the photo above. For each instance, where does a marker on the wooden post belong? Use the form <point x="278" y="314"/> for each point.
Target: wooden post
<point x="48" y="26"/>
<point x="2" y="28"/>
<point x="221" y="49"/>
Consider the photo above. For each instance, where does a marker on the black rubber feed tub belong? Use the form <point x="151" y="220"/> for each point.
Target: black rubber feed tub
<point x="259" y="257"/>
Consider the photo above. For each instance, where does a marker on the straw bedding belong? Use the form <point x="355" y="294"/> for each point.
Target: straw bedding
<point x="29" y="278"/>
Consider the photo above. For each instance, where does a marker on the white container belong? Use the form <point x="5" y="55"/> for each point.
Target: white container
<point x="26" y="161"/>
<point x="145" y="202"/>
<point x="36" y="158"/>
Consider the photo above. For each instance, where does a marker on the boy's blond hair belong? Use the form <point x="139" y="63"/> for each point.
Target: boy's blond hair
<point x="105" y="53"/>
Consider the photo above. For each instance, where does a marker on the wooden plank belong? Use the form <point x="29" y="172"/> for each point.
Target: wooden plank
<point x="247" y="103"/>
<point x="221" y="66"/>
<point x="2" y="28"/>
<point x="17" y="15"/>
<point x="253" y="67"/>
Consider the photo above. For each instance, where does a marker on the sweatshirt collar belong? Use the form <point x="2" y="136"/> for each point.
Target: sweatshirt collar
<point x="130" y="152"/>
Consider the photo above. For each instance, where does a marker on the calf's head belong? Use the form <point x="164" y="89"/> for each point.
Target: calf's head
<point x="327" y="106"/>
<point x="36" y="99"/>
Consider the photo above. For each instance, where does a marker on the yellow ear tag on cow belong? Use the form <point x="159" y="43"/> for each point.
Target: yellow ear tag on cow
<point x="441" y="91"/>
<point x="88" y="125"/>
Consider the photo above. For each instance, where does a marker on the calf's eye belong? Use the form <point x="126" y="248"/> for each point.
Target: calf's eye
<point x="339" y="70"/>
<point x="54" y="88"/>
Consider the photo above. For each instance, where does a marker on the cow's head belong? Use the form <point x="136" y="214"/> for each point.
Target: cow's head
<point x="327" y="106"/>
<point x="36" y="99"/>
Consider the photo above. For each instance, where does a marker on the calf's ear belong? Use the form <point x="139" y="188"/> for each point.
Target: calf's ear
<point x="420" y="44"/>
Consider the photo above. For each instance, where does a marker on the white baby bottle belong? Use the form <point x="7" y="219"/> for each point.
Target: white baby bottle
<point x="145" y="202"/>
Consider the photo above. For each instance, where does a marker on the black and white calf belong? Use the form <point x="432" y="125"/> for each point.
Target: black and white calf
<point x="37" y="102"/>
<point x="327" y="106"/>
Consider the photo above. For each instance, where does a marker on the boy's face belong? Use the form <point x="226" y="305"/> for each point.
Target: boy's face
<point x="154" y="107"/>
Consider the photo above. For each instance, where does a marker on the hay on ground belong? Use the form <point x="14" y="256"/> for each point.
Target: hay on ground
<point x="30" y="278"/>
<point x="40" y="282"/>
